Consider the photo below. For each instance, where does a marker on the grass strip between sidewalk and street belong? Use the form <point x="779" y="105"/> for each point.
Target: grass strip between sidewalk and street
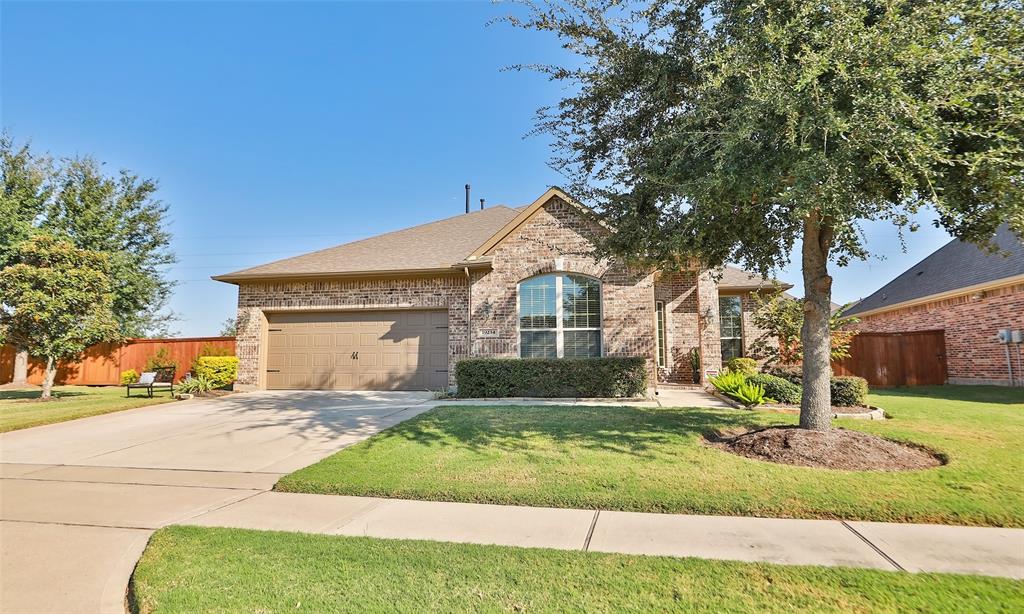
<point x="194" y="569"/>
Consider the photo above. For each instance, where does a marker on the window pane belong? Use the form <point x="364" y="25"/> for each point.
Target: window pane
<point x="538" y="344"/>
<point x="732" y="348"/>
<point x="537" y="303"/>
<point x="582" y="343"/>
<point x="730" y="316"/>
<point x="581" y="302"/>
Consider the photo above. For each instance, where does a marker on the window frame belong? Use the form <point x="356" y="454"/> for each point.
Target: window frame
<point x="560" y="329"/>
<point x="721" y="333"/>
<point x="660" y="324"/>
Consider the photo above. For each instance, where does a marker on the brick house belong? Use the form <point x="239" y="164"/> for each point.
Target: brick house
<point x="967" y="293"/>
<point x="398" y="310"/>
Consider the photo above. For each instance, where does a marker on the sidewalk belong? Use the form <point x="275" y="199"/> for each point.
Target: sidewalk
<point x="893" y="547"/>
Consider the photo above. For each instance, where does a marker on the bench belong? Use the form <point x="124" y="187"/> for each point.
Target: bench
<point x="158" y="379"/>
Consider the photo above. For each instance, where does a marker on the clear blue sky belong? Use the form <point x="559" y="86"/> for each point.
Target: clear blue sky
<point x="280" y="128"/>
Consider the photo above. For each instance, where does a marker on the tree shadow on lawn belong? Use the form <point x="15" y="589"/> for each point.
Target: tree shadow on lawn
<point x="31" y="395"/>
<point x="623" y="430"/>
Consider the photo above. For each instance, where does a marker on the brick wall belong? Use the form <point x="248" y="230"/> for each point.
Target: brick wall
<point x="558" y="238"/>
<point x="448" y="292"/>
<point x="973" y="355"/>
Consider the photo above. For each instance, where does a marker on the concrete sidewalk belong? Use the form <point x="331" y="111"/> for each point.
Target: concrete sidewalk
<point x="894" y="547"/>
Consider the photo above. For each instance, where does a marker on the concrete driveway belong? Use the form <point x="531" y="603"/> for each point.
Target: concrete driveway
<point x="78" y="500"/>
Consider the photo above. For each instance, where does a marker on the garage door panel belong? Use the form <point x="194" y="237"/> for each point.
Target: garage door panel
<point x="358" y="350"/>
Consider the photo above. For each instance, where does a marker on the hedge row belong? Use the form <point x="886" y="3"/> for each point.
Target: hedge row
<point x="847" y="390"/>
<point x="551" y="377"/>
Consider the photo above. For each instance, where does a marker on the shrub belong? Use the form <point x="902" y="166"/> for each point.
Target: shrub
<point x="777" y="388"/>
<point x="161" y="360"/>
<point x="551" y="377"/>
<point x="849" y="391"/>
<point x="746" y="366"/>
<point x="729" y="382"/>
<point x="749" y="394"/>
<point x="210" y="349"/>
<point x="195" y="385"/>
<point x="218" y="370"/>
<point x="129" y="377"/>
<point x="790" y="373"/>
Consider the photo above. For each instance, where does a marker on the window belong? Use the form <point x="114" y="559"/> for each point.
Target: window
<point x="659" y="314"/>
<point x="560" y="317"/>
<point x="730" y="314"/>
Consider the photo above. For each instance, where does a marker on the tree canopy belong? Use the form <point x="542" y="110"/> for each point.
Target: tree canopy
<point x="717" y="131"/>
<point x="115" y="215"/>
<point x="62" y="299"/>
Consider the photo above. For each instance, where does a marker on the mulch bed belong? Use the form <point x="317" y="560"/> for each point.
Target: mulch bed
<point x="852" y="409"/>
<point x="836" y="448"/>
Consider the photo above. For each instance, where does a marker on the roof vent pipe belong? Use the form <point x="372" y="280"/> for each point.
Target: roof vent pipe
<point x="481" y="204"/>
<point x="467" y="198"/>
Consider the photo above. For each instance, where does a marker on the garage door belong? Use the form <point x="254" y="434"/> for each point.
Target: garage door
<point x="372" y="350"/>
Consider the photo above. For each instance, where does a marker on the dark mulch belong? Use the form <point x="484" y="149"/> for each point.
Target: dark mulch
<point x="834" y="449"/>
<point x="849" y="409"/>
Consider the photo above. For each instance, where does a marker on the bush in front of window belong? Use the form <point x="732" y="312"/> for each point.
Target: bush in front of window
<point x="551" y="377"/>
<point x="746" y="366"/>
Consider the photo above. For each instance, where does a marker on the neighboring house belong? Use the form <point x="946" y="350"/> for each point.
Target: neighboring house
<point x="398" y="310"/>
<point x="966" y="292"/>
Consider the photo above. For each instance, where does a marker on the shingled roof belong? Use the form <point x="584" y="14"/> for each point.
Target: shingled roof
<point x="435" y="246"/>
<point x="954" y="266"/>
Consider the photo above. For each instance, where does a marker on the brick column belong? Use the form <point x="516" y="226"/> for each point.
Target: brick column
<point x="707" y="317"/>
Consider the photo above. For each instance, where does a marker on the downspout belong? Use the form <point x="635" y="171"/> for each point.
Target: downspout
<point x="469" y="312"/>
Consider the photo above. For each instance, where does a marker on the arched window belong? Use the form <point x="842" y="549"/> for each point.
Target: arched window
<point x="560" y="316"/>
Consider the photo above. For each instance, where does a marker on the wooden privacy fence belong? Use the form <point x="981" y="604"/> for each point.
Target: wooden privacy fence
<point x="103" y="363"/>
<point x="897" y="359"/>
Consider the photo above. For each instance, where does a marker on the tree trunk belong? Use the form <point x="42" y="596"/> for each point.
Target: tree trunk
<point x="816" y="402"/>
<point x="20" y="368"/>
<point x="48" y="377"/>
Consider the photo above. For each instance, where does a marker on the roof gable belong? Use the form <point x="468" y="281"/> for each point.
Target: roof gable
<point x="525" y="213"/>
<point x="954" y="266"/>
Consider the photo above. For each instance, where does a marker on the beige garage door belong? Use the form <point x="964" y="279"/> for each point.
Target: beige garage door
<point x="371" y="350"/>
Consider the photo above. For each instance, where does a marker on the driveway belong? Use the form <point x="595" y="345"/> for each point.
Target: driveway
<point x="78" y="500"/>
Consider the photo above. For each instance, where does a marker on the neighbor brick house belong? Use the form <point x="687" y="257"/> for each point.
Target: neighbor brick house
<point x="398" y="310"/>
<point x="969" y="294"/>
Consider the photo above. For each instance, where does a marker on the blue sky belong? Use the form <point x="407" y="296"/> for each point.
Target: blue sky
<point x="280" y="128"/>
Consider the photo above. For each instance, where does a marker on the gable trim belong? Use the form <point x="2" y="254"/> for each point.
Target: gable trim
<point x="521" y="219"/>
<point x="931" y="298"/>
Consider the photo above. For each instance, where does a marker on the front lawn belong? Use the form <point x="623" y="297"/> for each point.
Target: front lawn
<point x="193" y="569"/>
<point x="19" y="409"/>
<point x="654" y="460"/>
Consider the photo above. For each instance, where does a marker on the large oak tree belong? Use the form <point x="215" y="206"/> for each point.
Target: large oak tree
<point x="730" y="130"/>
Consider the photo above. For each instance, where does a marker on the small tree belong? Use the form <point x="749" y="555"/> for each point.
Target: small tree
<point x="229" y="327"/>
<point x="782" y="318"/>
<point x="57" y="301"/>
<point x="723" y="131"/>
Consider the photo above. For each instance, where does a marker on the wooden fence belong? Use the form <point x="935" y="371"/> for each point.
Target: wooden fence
<point x="897" y="359"/>
<point x="103" y="363"/>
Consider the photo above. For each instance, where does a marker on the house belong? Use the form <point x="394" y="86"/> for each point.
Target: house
<point x="398" y="310"/>
<point x="967" y="293"/>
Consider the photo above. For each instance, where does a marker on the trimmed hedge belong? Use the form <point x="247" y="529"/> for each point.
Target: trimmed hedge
<point x="551" y="377"/>
<point x="219" y="371"/>
<point x="849" y="391"/>
<point x="776" y="388"/>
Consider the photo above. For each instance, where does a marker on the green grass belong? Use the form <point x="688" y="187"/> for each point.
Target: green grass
<point x="193" y="569"/>
<point x="20" y="410"/>
<point x="654" y="460"/>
